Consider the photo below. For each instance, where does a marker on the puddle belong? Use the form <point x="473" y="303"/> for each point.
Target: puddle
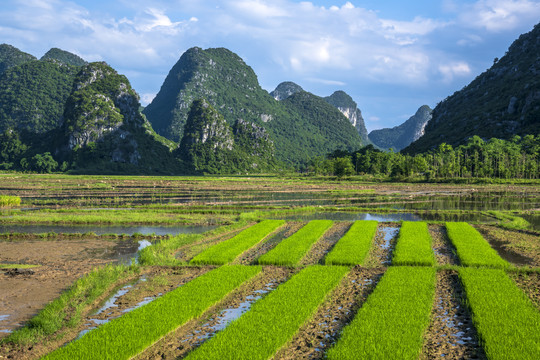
<point x="126" y="252"/>
<point x="388" y="234"/>
<point x="101" y="230"/>
<point x="509" y="255"/>
<point x="3" y="318"/>
<point x="228" y="315"/>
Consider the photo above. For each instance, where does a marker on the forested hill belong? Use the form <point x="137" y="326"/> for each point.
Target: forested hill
<point x="11" y="56"/>
<point x="300" y="129"/>
<point x="501" y="102"/>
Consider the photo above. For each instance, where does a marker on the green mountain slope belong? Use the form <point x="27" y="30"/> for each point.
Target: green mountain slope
<point x="402" y="135"/>
<point x="299" y="128"/>
<point x="11" y="56"/>
<point x="64" y="57"/>
<point x="104" y="130"/>
<point x="33" y="94"/>
<point x="501" y="102"/>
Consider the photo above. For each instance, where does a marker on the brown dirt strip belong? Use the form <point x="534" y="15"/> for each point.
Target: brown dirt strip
<point x="384" y="243"/>
<point x="190" y="336"/>
<point x="517" y="247"/>
<point x="445" y="253"/>
<point x="323" y="329"/>
<point x="451" y="334"/>
<point x="530" y="284"/>
<point x="251" y="256"/>
<point x="319" y="250"/>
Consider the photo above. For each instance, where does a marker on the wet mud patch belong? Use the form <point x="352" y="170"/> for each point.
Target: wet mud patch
<point x="383" y="245"/>
<point x="530" y="284"/>
<point x="323" y="329"/>
<point x="157" y="282"/>
<point x="445" y="252"/>
<point x="451" y="333"/>
<point x="251" y="256"/>
<point x="190" y="336"/>
<point x="517" y="247"/>
<point x="319" y="250"/>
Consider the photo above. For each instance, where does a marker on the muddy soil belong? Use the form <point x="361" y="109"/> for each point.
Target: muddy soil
<point x="445" y="252"/>
<point x="61" y="262"/>
<point x="319" y="250"/>
<point x="451" y="334"/>
<point x="251" y="256"/>
<point x="190" y="336"/>
<point x="383" y="246"/>
<point x="517" y="247"/>
<point x="530" y="284"/>
<point x="323" y="329"/>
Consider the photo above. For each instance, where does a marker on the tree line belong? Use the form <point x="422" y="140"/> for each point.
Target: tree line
<point x="516" y="158"/>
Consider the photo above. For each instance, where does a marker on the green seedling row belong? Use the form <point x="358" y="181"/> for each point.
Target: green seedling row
<point x="131" y="333"/>
<point x="274" y="320"/>
<point x="391" y="323"/>
<point x="292" y="249"/>
<point x="7" y="200"/>
<point x="353" y="248"/>
<point x="414" y="245"/>
<point x="506" y="320"/>
<point x="230" y="249"/>
<point x="472" y="249"/>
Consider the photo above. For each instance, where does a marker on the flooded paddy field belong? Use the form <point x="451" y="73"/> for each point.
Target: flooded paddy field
<point x="94" y="222"/>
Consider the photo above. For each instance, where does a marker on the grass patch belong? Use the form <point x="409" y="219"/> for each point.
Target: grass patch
<point x="292" y="249"/>
<point x="226" y="251"/>
<point x="274" y="320"/>
<point x="131" y="333"/>
<point x="391" y="323"/>
<point x="17" y="266"/>
<point x="414" y="245"/>
<point x="67" y="309"/>
<point x="472" y="249"/>
<point x="354" y="246"/>
<point x="507" y="321"/>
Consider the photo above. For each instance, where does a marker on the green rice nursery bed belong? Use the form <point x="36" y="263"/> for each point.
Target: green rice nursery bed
<point x="390" y="324"/>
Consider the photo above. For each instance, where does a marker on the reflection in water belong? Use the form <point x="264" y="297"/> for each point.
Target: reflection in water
<point x="100" y="230"/>
<point x="353" y="216"/>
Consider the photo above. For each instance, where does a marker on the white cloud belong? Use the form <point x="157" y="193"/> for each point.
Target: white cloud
<point x="374" y="118"/>
<point x="326" y="81"/>
<point x="449" y="71"/>
<point x="147" y="98"/>
<point x="499" y="15"/>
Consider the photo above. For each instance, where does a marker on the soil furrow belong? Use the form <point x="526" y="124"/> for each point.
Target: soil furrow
<point x="323" y="329"/>
<point x="383" y="245"/>
<point x="445" y="252"/>
<point x="319" y="250"/>
<point x="451" y="334"/>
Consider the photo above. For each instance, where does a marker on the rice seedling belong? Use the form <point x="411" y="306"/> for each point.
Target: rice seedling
<point x="391" y="323"/>
<point x="506" y="320"/>
<point x="414" y="245"/>
<point x="291" y="250"/>
<point x="274" y="320"/>
<point x="472" y="249"/>
<point x="226" y="251"/>
<point x="7" y="200"/>
<point x="354" y="246"/>
<point x="131" y="333"/>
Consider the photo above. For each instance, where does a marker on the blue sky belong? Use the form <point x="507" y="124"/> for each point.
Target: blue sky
<point x="391" y="56"/>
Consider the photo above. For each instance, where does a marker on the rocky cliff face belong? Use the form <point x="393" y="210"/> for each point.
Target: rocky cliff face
<point x="285" y="90"/>
<point x="401" y="136"/>
<point x="344" y="103"/>
<point x="103" y="108"/>
<point x="211" y="145"/>
<point x="501" y="102"/>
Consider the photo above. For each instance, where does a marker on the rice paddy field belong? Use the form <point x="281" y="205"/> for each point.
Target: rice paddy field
<point x="267" y="268"/>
